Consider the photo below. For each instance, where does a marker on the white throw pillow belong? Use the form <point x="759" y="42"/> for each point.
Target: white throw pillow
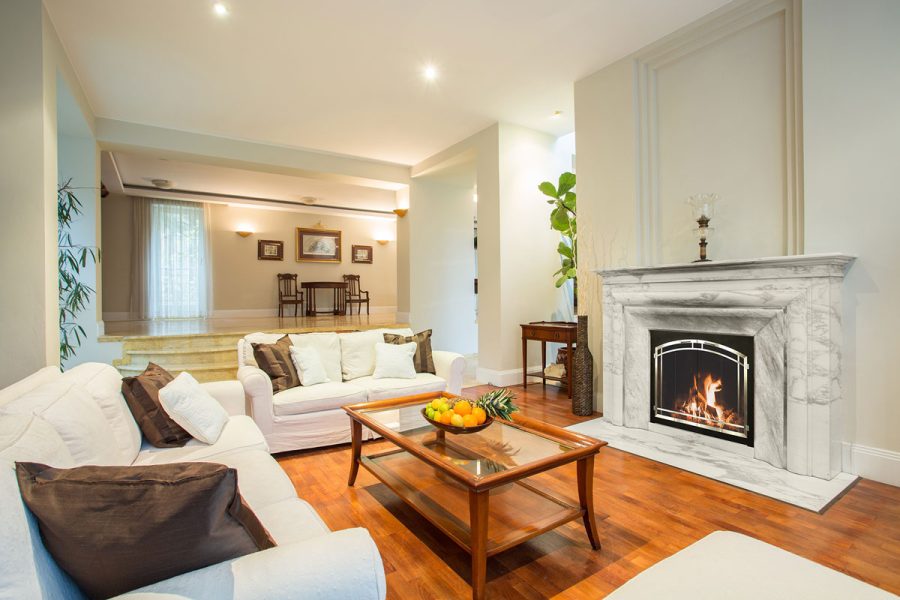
<point x="76" y="418"/>
<point x="328" y="347"/>
<point x="358" y="353"/>
<point x="191" y="406"/>
<point x="394" y="360"/>
<point x="309" y="366"/>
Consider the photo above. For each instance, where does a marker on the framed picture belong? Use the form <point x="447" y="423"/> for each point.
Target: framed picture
<point x="270" y="250"/>
<point x="318" y="245"/>
<point x="362" y="254"/>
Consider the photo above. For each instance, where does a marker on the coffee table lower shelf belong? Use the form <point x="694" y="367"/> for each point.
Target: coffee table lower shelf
<point x="517" y="511"/>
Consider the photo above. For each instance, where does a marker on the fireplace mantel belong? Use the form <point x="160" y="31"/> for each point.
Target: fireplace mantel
<point x="792" y="307"/>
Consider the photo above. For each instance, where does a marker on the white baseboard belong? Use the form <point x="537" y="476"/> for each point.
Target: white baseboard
<point x="876" y="464"/>
<point x="289" y="312"/>
<point x="503" y="378"/>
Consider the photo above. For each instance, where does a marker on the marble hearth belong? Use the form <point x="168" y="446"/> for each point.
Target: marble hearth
<point x="790" y="305"/>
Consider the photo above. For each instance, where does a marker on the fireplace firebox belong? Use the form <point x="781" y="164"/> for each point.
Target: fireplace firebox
<point x="703" y="383"/>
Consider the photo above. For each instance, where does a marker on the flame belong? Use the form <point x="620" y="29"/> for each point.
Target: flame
<point x="703" y="405"/>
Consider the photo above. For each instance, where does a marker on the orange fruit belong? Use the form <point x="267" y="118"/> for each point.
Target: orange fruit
<point x="445" y="417"/>
<point x="479" y="414"/>
<point x="469" y="421"/>
<point x="462" y="408"/>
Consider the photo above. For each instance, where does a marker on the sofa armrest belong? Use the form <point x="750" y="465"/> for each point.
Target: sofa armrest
<point x="230" y="395"/>
<point x="343" y="564"/>
<point x="258" y="391"/>
<point x="450" y="366"/>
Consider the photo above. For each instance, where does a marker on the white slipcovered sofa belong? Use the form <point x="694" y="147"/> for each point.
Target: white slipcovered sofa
<point x="309" y="562"/>
<point x="311" y="416"/>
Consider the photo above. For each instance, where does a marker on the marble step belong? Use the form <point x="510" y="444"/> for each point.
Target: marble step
<point x="201" y="372"/>
<point x="182" y="342"/>
<point x="199" y="355"/>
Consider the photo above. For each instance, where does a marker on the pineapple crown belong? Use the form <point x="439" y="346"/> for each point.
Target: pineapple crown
<point x="498" y="403"/>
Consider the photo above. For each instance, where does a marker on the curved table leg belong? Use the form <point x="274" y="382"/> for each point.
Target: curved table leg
<point x="356" y="437"/>
<point x="586" y="499"/>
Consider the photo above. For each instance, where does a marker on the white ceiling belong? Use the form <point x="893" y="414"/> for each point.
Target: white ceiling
<point x="345" y="76"/>
<point x="234" y="184"/>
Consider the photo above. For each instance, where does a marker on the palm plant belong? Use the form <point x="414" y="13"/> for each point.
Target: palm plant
<point x="562" y="219"/>
<point x="74" y="295"/>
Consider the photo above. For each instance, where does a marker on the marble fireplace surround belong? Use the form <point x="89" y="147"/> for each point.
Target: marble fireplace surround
<point x="791" y="306"/>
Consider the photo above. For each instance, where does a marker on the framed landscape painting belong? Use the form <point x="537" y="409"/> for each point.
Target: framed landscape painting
<point x="362" y="254"/>
<point x="270" y="250"/>
<point x="318" y="245"/>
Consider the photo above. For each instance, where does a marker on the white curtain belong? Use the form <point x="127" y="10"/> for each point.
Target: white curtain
<point x="172" y="249"/>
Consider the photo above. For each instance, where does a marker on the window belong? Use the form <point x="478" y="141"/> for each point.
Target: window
<point x="178" y="261"/>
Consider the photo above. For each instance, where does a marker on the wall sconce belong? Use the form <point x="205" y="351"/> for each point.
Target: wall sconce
<point x="382" y="242"/>
<point x="244" y="230"/>
<point x="401" y="212"/>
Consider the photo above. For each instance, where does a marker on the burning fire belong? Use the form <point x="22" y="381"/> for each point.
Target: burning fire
<point x="701" y="403"/>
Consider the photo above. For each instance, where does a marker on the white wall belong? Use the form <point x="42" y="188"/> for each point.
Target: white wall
<point x="851" y="86"/>
<point x="441" y="263"/>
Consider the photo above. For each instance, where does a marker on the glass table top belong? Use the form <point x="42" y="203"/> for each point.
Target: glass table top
<point x="499" y="447"/>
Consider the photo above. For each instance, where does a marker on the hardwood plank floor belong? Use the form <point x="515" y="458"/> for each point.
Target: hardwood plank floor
<point x="646" y="511"/>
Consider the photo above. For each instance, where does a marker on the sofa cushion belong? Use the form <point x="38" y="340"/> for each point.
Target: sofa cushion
<point x="275" y="361"/>
<point x="36" y="379"/>
<point x="424" y="358"/>
<point x="75" y="417"/>
<point x="142" y="396"/>
<point x="381" y="389"/>
<point x="291" y="520"/>
<point x="309" y="366"/>
<point x="246" y="357"/>
<point x="358" y="353"/>
<point x="194" y="408"/>
<point x="145" y="524"/>
<point x="316" y="398"/>
<point x="394" y="360"/>
<point x="328" y="346"/>
<point x="262" y="480"/>
<point x="240" y="433"/>
<point x="31" y="573"/>
<point x="104" y="383"/>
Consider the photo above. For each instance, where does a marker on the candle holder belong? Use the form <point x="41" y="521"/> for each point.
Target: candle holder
<point x="704" y="208"/>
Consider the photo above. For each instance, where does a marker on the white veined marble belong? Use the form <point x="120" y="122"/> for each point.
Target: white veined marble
<point x="811" y="493"/>
<point x="791" y="305"/>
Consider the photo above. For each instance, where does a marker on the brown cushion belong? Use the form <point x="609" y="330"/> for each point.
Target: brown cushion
<point x="275" y="361"/>
<point x="142" y="395"/>
<point x="423" y="360"/>
<point x="115" y="529"/>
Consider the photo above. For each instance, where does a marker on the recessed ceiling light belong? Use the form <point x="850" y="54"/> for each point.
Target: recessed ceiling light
<point x="556" y="114"/>
<point x="220" y="9"/>
<point x="430" y="72"/>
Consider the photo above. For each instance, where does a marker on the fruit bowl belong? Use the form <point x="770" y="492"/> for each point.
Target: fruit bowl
<point x="454" y="428"/>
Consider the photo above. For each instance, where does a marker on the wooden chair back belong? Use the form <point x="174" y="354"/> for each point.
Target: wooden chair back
<point x="287" y="285"/>
<point x="352" y="282"/>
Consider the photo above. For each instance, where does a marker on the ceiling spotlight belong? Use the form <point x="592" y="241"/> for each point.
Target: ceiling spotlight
<point x="163" y="184"/>
<point x="556" y="114"/>
<point x="430" y="72"/>
<point x="220" y="9"/>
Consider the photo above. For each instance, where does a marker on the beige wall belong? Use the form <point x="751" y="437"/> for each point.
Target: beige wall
<point x="851" y="83"/>
<point x="241" y="282"/>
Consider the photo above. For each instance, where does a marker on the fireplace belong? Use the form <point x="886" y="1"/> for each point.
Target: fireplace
<point x="703" y="383"/>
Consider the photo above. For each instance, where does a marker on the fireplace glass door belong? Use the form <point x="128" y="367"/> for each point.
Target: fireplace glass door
<point x="703" y="382"/>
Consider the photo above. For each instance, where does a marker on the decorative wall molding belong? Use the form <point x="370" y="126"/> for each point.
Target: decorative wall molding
<point x="872" y="463"/>
<point x="720" y="24"/>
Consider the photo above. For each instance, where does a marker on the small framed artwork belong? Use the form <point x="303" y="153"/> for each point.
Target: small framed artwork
<point x="362" y="254"/>
<point x="318" y="245"/>
<point x="270" y="250"/>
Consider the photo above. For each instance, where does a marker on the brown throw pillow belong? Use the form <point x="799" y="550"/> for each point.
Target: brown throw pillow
<point x="275" y="361"/>
<point x="423" y="360"/>
<point x="116" y="529"/>
<point x="142" y="395"/>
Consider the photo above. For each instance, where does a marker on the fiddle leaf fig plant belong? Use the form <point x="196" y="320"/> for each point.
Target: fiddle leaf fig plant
<point x="74" y="295"/>
<point x="562" y="219"/>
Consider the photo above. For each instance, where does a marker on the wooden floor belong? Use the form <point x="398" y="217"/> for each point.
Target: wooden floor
<point x="646" y="511"/>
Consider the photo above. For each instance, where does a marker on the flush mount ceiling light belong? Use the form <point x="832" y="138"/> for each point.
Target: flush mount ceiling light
<point x="556" y="114"/>
<point x="220" y="9"/>
<point x="163" y="184"/>
<point x="308" y="199"/>
<point x="430" y="72"/>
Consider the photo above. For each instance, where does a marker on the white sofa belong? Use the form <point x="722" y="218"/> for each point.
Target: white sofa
<point x="310" y="417"/>
<point x="309" y="562"/>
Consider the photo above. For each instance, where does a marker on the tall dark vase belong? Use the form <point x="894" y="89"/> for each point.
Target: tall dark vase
<point x="583" y="364"/>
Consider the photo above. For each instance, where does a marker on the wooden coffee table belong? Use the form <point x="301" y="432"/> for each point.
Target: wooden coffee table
<point x="449" y="479"/>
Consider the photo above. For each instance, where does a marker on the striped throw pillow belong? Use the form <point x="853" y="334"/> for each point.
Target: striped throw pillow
<point x="423" y="360"/>
<point x="275" y="361"/>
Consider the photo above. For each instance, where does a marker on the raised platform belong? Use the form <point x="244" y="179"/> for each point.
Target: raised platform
<point x="207" y="348"/>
